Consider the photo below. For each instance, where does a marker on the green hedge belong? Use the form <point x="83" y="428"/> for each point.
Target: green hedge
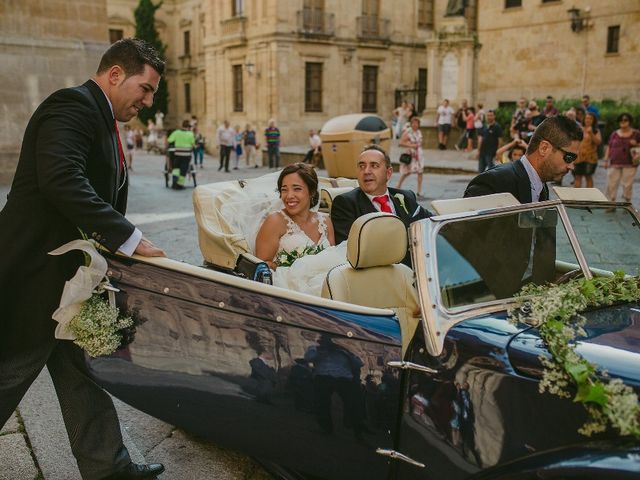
<point x="609" y="111"/>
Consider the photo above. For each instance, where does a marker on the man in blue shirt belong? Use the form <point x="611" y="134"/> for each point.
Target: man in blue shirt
<point x="590" y="108"/>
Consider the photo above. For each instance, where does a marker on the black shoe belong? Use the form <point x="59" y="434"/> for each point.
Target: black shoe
<point x="220" y="168"/>
<point x="134" y="471"/>
<point x="227" y="170"/>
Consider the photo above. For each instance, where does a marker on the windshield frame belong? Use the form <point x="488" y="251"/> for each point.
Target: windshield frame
<point x="438" y="320"/>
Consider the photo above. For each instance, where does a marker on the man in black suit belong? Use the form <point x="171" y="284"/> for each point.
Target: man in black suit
<point x="373" y="195"/>
<point x="71" y="179"/>
<point x="550" y="155"/>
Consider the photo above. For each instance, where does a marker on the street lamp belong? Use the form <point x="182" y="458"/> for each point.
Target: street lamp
<point x="250" y="68"/>
<point x="578" y="18"/>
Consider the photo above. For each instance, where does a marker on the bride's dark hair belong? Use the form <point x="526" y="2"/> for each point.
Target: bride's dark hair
<point x="308" y="175"/>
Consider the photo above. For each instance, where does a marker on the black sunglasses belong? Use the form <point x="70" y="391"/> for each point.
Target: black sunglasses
<point x="568" y="157"/>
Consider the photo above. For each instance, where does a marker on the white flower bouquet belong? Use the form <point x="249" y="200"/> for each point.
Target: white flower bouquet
<point x="285" y="258"/>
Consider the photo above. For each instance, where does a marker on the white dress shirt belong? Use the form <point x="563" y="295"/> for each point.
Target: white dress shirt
<point x="534" y="179"/>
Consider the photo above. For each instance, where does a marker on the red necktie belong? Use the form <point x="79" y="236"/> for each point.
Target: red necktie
<point x="383" y="201"/>
<point x="120" y="151"/>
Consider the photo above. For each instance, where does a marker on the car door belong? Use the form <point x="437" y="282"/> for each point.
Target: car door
<point x="302" y="385"/>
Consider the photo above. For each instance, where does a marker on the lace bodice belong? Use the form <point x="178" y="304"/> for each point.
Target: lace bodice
<point x="295" y="237"/>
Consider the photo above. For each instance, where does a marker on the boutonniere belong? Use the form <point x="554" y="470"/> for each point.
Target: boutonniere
<point x="400" y="198"/>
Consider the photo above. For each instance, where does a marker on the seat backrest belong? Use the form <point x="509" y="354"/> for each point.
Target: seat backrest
<point x="327" y="194"/>
<point x="374" y="277"/>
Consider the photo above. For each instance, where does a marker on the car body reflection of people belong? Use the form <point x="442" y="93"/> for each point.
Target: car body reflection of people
<point x="264" y="376"/>
<point x="336" y="370"/>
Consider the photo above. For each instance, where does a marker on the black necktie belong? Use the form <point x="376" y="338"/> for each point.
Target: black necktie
<point x="544" y="194"/>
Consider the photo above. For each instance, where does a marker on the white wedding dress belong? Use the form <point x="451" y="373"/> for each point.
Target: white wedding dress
<point x="246" y="214"/>
<point x="307" y="274"/>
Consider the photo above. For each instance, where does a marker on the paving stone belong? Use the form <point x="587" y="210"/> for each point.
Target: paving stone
<point x="16" y="463"/>
<point x="12" y="425"/>
<point x="179" y="451"/>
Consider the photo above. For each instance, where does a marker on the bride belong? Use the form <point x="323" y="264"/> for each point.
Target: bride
<point x="296" y="241"/>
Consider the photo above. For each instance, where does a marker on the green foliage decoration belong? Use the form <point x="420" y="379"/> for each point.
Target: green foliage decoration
<point x="285" y="258"/>
<point x="555" y="311"/>
<point x="146" y="30"/>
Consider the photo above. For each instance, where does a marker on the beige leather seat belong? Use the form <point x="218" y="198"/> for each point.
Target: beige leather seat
<point x="374" y="277"/>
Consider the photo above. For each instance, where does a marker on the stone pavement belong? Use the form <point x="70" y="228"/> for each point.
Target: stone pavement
<point x="34" y="444"/>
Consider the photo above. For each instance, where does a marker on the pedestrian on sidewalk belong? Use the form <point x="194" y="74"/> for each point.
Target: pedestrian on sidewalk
<point x="272" y="137"/>
<point x="198" y="150"/>
<point x="226" y="137"/>
<point x="471" y="128"/>
<point x="588" y="154"/>
<point x="412" y="140"/>
<point x="315" y="143"/>
<point x="251" y="147"/>
<point x="488" y="143"/>
<point x="461" y="123"/>
<point x="71" y="181"/>
<point x="183" y="143"/>
<point x="444" y="115"/>
<point x="619" y="160"/>
<point x="237" y="150"/>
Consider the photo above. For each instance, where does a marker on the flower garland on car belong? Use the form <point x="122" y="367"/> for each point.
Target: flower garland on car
<point x="555" y="311"/>
<point x="285" y="258"/>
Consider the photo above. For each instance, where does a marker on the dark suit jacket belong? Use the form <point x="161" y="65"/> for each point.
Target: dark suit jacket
<point x="351" y="205"/>
<point x="503" y="272"/>
<point x="506" y="178"/>
<point x="68" y="179"/>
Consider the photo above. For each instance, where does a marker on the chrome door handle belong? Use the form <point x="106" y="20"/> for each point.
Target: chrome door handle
<point x="399" y="456"/>
<point x="413" y="366"/>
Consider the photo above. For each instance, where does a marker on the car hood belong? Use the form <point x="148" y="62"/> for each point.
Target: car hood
<point x="612" y="343"/>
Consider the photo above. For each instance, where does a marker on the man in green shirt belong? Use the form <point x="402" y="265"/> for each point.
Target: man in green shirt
<point x="183" y="142"/>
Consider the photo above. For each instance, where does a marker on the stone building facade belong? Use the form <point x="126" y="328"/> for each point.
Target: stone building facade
<point x="44" y="46"/>
<point x="534" y="48"/>
<point x="302" y="62"/>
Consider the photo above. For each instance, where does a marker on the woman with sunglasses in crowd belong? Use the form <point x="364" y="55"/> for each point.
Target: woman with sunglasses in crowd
<point x="619" y="161"/>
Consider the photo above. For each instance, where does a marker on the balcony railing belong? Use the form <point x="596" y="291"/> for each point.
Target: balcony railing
<point x="373" y="28"/>
<point x="234" y="30"/>
<point x="316" y="23"/>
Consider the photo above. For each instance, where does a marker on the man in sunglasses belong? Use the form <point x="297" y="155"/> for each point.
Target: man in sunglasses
<point x="550" y="155"/>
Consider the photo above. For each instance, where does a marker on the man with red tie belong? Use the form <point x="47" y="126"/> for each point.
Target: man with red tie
<point x="373" y="194"/>
<point x="71" y="180"/>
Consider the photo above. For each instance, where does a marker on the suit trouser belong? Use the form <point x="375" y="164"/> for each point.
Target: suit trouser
<point x="26" y="346"/>
<point x="225" y="153"/>
<point x="616" y="176"/>
<point x="274" y="156"/>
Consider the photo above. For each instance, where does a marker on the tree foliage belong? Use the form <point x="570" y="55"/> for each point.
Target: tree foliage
<point x="146" y="30"/>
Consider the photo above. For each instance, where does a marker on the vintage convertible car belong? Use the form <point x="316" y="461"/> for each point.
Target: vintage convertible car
<point x="357" y="384"/>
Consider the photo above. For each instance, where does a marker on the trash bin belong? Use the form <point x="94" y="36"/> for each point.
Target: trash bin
<point x="344" y="137"/>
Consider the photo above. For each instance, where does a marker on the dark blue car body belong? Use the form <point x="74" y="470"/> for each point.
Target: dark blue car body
<point x="238" y="363"/>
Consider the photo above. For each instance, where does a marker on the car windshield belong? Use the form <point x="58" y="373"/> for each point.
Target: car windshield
<point x="609" y="238"/>
<point x="491" y="257"/>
